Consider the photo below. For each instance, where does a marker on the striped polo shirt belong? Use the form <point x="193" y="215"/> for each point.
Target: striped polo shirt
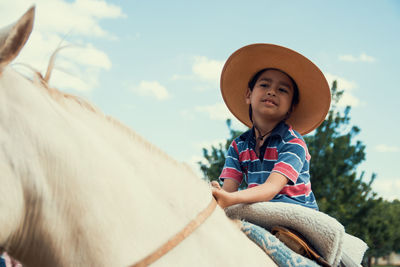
<point x="285" y="152"/>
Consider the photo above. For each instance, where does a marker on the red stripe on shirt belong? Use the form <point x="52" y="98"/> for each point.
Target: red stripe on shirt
<point x="301" y="142"/>
<point x="248" y="154"/>
<point x="287" y="170"/>
<point x="296" y="190"/>
<point x="271" y="153"/>
<point x="235" y="146"/>
<point x="232" y="174"/>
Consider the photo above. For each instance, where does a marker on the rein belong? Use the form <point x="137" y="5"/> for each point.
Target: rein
<point x="178" y="237"/>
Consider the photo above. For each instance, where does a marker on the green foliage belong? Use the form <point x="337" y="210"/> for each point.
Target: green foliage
<point x="343" y="194"/>
<point x="381" y="226"/>
<point x="339" y="191"/>
<point x="395" y="220"/>
<point x="328" y="146"/>
<point x="334" y="159"/>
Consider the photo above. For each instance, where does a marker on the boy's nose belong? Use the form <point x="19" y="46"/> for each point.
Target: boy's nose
<point x="271" y="91"/>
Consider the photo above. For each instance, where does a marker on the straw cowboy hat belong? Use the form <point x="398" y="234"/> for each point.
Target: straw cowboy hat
<point x="314" y="92"/>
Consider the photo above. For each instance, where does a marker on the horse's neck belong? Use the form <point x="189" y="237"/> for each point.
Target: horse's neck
<point x="100" y="190"/>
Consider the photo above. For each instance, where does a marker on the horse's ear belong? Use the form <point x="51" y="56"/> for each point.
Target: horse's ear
<point x="14" y="37"/>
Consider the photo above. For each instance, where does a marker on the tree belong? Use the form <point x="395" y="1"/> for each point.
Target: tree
<point x="335" y="159"/>
<point x="395" y="219"/>
<point x="339" y="191"/>
<point x="381" y="225"/>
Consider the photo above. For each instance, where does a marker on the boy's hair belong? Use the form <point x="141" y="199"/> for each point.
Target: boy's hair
<point x="252" y="83"/>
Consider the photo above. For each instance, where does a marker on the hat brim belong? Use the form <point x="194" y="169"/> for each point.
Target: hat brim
<point x="314" y="92"/>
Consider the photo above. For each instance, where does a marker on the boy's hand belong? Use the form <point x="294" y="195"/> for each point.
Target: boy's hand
<point x="215" y="185"/>
<point x="224" y="199"/>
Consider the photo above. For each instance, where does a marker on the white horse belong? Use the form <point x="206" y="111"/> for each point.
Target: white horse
<point x="77" y="188"/>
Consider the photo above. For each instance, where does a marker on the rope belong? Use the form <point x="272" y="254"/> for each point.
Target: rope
<point x="179" y="237"/>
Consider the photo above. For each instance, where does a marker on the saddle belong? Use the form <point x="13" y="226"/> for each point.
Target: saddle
<point x="296" y="242"/>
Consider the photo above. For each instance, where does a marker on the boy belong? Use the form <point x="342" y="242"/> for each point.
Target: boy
<point x="280" y="95"/>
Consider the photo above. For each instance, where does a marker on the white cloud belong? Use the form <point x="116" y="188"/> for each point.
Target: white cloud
<point x="361" y="58"/>
<point x="78" y="18"/>
<point x="58" y="21"/>
<point x="385" y="148"/>
<point x="87" y="55"/>
<point x="217" y="111"/>
<point x="387" y="188"/>
<point x="343" y="84"/>
<point x="151" y="88"/>
<point x="207" y="69"/>
<point x="366" y="58"/>
<point x="98" y="8"/>
<point x="76" y="67"/>
<point x="347" y="86"/>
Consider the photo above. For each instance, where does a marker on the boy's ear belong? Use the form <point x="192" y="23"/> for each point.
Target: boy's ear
<point x="248" y="94"/>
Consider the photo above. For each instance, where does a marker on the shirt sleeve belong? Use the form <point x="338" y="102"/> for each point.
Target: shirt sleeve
<point x="291" y="158"/>
<point x="232" y="169"/>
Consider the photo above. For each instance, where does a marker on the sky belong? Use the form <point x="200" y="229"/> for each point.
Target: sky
<point x="155" y="65"/>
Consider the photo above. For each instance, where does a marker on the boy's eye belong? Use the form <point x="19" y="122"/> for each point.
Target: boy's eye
<point x="283" y="90"/>
<point x="264" y="84"/>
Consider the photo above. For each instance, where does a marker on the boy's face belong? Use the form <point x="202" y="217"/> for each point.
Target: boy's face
<point x="271" y="97"/>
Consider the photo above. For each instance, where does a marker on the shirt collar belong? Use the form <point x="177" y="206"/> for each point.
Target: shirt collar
<point x="279" y="130"/>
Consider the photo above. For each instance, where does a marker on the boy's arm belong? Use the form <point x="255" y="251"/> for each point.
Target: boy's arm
<point x="230" y="185"/>
<point x="264" y="192"/>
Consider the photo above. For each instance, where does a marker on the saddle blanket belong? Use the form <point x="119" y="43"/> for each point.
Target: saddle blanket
<point x="324" y="233"/>
<point x="273" y="247"/>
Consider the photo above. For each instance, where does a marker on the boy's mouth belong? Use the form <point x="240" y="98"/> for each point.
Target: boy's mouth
<point x="269" y="101"/>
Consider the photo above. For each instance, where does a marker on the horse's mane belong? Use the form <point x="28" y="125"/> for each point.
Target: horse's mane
<point x="63" y="98"/>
